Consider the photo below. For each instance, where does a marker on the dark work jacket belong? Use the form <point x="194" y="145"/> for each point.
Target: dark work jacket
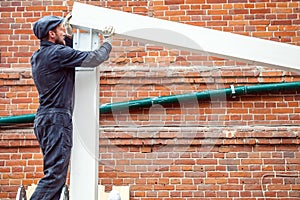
<point x="53" y="71"/>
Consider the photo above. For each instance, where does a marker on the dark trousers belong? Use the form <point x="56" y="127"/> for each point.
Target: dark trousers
<point x="54" y="133"/>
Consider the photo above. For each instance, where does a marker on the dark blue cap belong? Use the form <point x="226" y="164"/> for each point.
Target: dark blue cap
<point x="45" y="24"/>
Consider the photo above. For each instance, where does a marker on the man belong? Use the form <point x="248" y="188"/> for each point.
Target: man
<point x="53" y="71"/>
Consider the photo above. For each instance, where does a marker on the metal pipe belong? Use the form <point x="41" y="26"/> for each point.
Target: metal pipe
<point x="204" y="95"/>
<point x="148" y="102"/>
<point x="17" y="119"/>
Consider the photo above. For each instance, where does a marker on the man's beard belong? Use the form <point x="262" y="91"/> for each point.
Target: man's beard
<point x="60" y="41"/>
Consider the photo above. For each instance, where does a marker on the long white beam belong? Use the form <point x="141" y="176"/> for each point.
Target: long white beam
<point x="187" y="37"/>
<point x="85" y="153"/>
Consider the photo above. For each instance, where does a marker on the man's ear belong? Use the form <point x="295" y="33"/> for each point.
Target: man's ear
<point x="51" y="34"/>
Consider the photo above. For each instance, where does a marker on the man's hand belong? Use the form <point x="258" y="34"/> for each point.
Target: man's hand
<point x="108" y="32"/>
<point x="68" y="27"/>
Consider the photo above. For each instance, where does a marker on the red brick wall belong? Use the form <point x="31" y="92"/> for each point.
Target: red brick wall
<point x="230" y="148"/>
<point x="202" y="163"/>
<point x="175" y="162"/>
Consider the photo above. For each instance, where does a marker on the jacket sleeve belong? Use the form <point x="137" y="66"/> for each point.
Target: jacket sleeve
<point x="70" y="57"/>
<point x="69" y="42"/>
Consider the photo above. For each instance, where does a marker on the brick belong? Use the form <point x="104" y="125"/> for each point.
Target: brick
<point x="57" y="8"/>
<point x="140" y="9"/>
<point x="257" y="11"/>
<point x="232" y="187"/>
<point x="116" y="4"/>
<point x="23" y="54"/>
<point x="217" y="12"/>
<point x="251" y="161"/>
<point x="230" y="162"/>
<point x="217" y="174"/>
<point x="6" y="32"/>
<point x="7" y="9"/>
<point x="172" y="13"/>
<point x="23" y="31"/>
<point x="194" y="1"/>
<point x="239" y="11"/>
<point x="186" y="187"/>
<point x="164" y="187"/>
<point x="172" y="2"/>
<point x="36" y="8"/>
<point x="217" y="23"/>
<point x="284" y="34"/>
<point x="15" y="163"/>
<point x="141" y="187"/>
<point x="216" y="1"/>
<point x="185" y="162"/>
<point x="21" y="100"/>
<point x="172" y="174"/>
<point x="281" y="22"/>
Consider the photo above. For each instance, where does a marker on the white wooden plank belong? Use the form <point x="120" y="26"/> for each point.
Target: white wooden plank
<point x="102" y="194"/>
<point x="187" y="37"/>
<point x="123" y="190"/>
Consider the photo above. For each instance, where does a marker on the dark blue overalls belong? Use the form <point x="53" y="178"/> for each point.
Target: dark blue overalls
<point x="53" y="70"/>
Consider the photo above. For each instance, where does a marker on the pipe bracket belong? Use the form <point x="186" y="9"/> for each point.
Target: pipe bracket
<point x="233" y="94"/>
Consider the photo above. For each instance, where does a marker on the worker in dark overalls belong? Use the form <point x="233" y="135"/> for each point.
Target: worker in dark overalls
<point x="53" y="71"/>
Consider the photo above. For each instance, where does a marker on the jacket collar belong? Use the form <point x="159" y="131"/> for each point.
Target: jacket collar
<point x="46" y="43"/>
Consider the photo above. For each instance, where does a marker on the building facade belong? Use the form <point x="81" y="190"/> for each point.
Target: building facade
<point x="222" y="147"/>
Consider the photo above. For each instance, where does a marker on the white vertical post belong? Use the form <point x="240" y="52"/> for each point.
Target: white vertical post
<point x="84" y="159"/>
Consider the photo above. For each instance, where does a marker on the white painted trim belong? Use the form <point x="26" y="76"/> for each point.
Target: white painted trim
<point x="187" y="37"/>
<point x="85" y="152"/>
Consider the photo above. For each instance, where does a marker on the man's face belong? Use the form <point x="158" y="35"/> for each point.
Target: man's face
<point x="59" y="34"/>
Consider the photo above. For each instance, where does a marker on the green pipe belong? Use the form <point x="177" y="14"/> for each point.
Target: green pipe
<point x="17" y="119"/>
<point x="204" y="95"/>
<point x="148" y="102"/>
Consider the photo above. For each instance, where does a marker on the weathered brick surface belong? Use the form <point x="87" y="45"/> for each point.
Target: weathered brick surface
<point x="245" y="147"/>
<point x="189" y="162"/>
